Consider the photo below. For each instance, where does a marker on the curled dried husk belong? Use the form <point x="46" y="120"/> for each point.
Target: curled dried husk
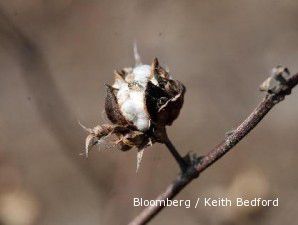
<point x="112" y="108"/>
<point x="165" y="100"/>
<point x="126" y="137"/>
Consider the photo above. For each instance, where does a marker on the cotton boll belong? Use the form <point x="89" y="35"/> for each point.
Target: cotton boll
<point x="134" y="104"/>
<point x="131" y="95"/>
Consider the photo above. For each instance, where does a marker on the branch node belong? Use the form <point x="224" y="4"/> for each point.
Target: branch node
<point x="277" y="82"/>
<point x="192" y="160"/>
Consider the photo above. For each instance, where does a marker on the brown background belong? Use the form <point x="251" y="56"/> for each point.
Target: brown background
<point x="55" y="57"/>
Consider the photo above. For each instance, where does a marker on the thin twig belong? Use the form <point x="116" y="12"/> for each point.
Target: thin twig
<point x="216" y="153"/>
<point x="181" y="162"/>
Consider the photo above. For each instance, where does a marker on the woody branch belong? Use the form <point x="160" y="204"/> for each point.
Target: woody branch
<point x="194" y="170"/>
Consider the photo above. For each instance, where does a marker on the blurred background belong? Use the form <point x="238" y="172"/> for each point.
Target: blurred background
<point x="55" y="57"/>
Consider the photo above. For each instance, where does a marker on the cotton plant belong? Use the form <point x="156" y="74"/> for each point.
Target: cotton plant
<point x="141" y="102"/>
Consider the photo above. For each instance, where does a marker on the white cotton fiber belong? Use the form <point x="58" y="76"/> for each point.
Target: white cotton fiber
<point x="142" y="74"/>
<point x="123" y="93"/>
<point x="131" y="96"/>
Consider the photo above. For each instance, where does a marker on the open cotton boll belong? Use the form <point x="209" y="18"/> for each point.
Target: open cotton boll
<point x="140" y="103"/>
<point x="131" y="94"/>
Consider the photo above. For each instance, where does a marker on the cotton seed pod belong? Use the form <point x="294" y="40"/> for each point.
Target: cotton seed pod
<point x="144" y="97"/>
<point x="140" y="103"/>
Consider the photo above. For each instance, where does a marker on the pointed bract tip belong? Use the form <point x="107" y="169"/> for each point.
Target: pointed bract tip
<point x="84" y="127"/>
<point x="139" y="158"/>
<point x="108" y="86"/>
<point x="155" y="62"/>
<point x="119" y="73"/>
<point x="154" y="66"/>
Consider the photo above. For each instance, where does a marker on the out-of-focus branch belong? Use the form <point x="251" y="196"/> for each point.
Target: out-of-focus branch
<point x="220" y="150"/>
<point x="52" y="109"/>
